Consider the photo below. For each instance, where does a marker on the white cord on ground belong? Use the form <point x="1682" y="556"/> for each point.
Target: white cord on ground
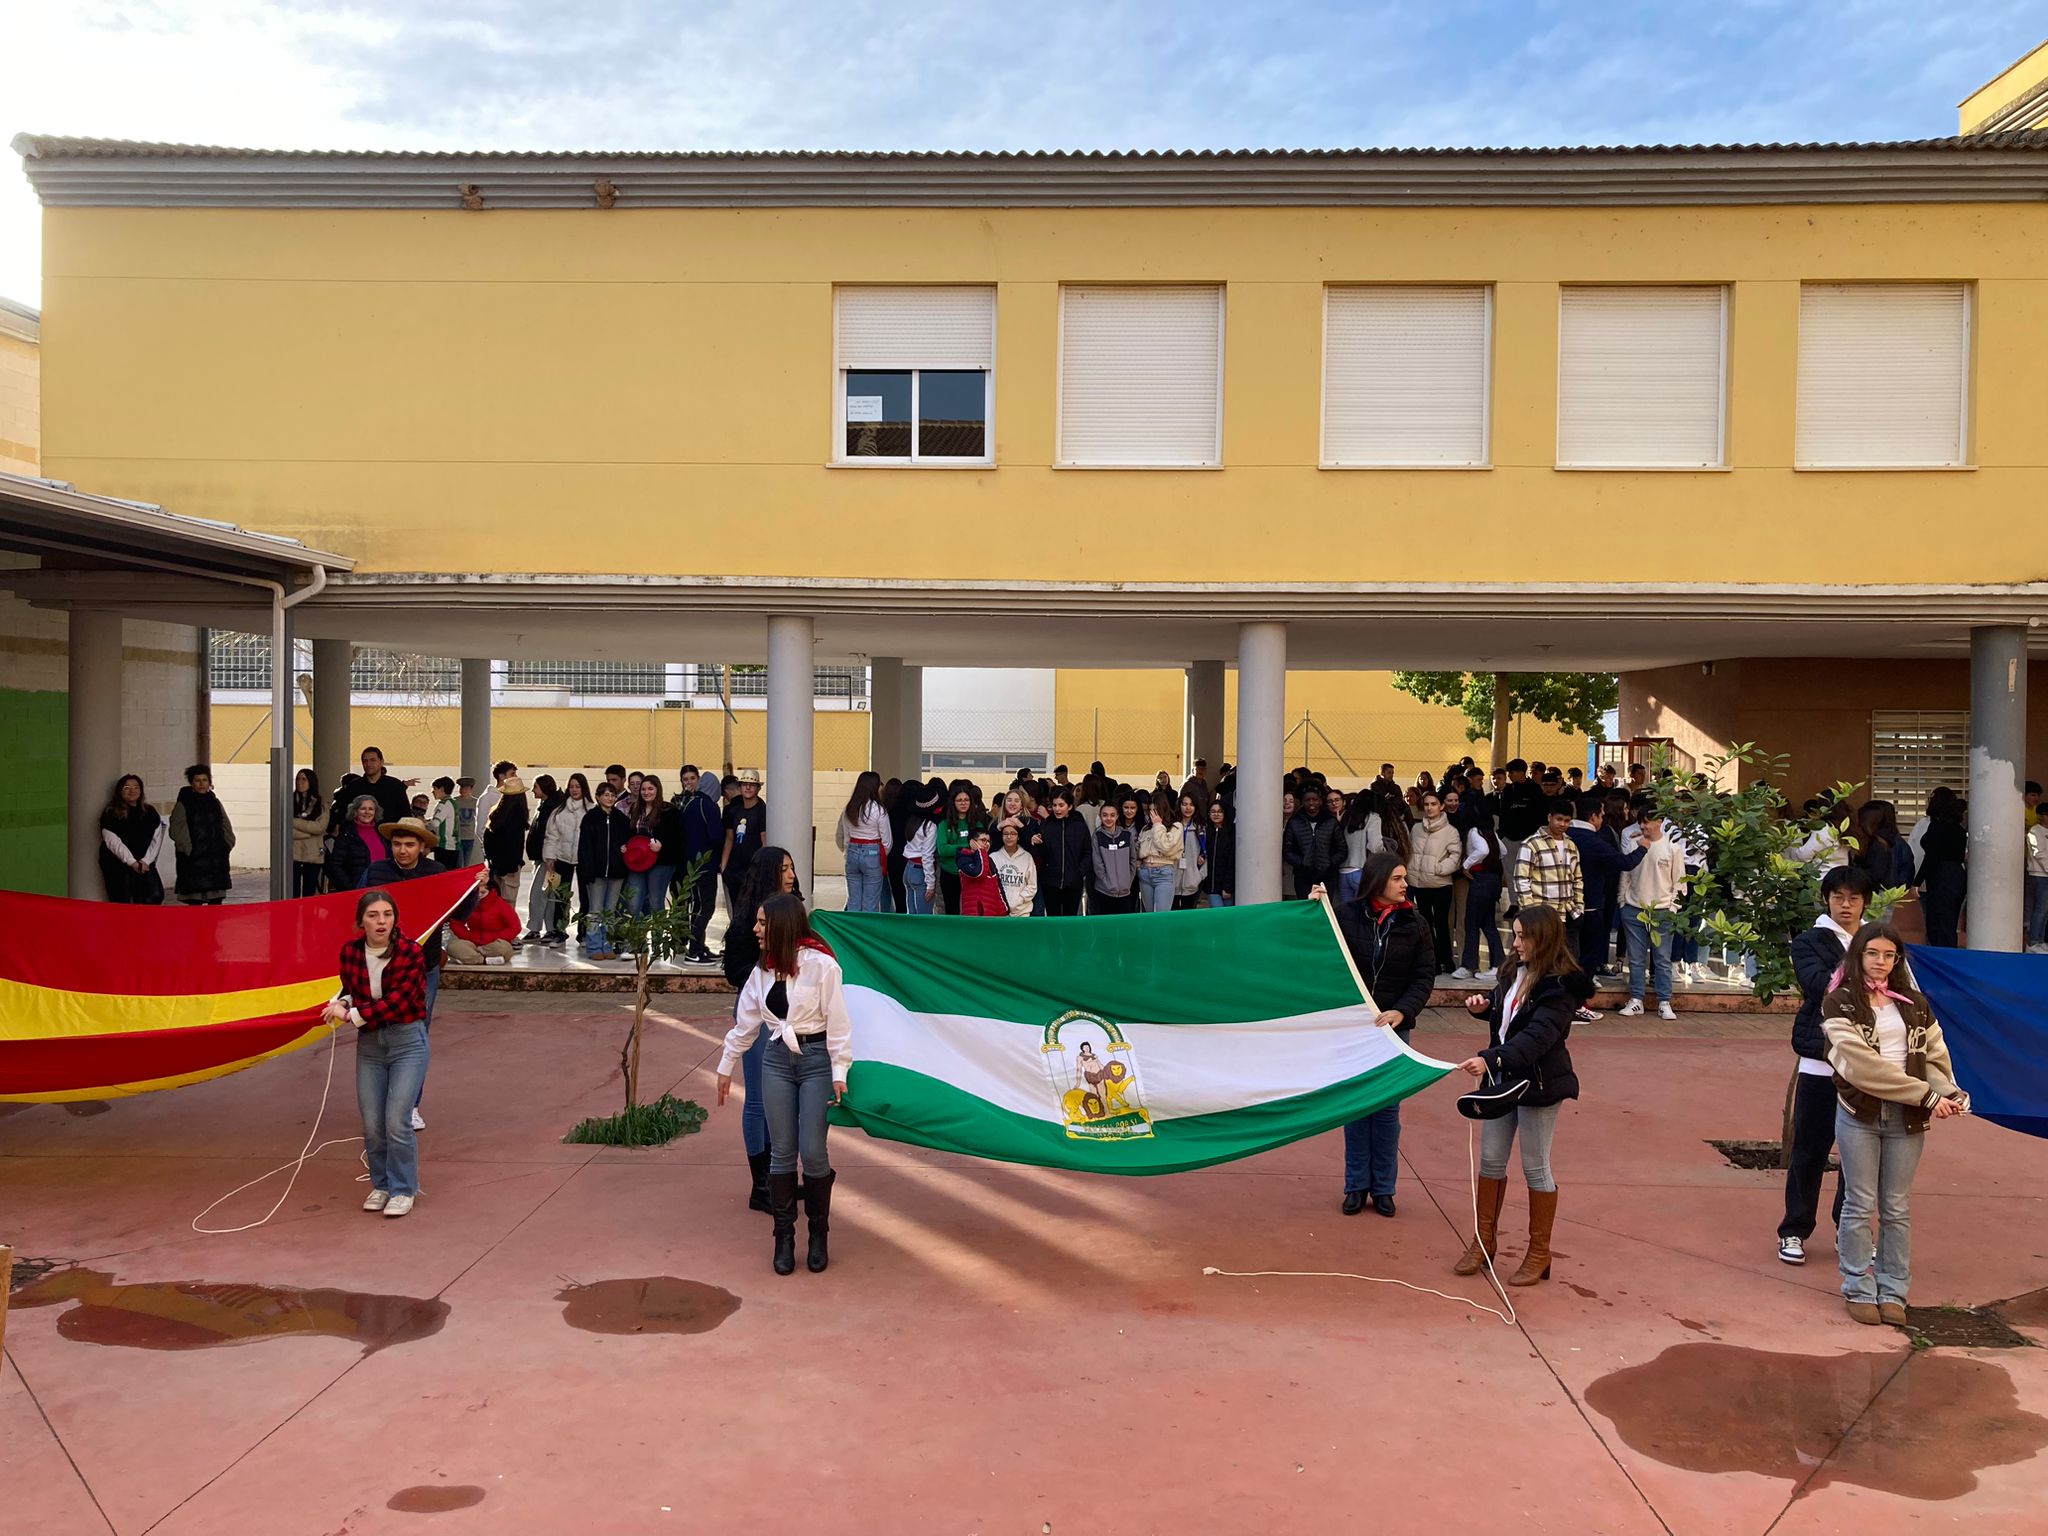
<point x="305" y="1154"/>
<point x="1472" y="1178"/>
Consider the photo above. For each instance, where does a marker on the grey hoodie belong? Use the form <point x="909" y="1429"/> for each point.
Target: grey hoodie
<point x="1115" y="861"/>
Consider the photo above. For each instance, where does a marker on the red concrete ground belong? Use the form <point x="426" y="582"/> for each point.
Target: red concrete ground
<point x="995" y="1348"/>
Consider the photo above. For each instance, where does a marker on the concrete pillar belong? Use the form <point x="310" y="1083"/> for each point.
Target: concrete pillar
<point x="910" y="739"/>
<point x="1205" y="716"/>
<point x="476" y="721"/>
<point x="332" y="728"/>
<point x="1261" y="735"/>
<point x="792" y="688"/>
<point x="895" y="727"/>
<point x="94" y="745"/>
<point x="1998" y="749"/>
<point x="282" y="677"/>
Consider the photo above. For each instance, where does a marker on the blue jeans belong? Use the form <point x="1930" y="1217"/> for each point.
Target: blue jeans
<point x="1878" y="1159"/>
<point x="1155" y="887"/>
<point x="1372" y="1152"/>
<point x="1536" y="1127"/>
<point x="1636" y="928"/>
<point x="796" y="1090"/>
<point x="599" y="896"/>
<point x="753" y="1117"/>
<point x="1481" y="901"/>
<point x="391" y="1064"/>
<point x="1220" y="901"/>
<point x="1348" y="882"/>
<point x="867" y="889"/>
<point x="915" y="901"/>
<point x="2036" y="928"/>
<point x="647" y="889"/>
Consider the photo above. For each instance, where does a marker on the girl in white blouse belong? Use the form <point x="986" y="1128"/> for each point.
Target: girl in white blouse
<point x="795" y="993"/>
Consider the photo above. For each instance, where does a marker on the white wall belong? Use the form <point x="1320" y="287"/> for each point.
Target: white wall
<point x="988" y="709"/>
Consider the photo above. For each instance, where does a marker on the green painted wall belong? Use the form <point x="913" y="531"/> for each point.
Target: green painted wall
<point x="33" y="756"/>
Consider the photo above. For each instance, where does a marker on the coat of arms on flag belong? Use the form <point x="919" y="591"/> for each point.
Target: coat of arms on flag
<point x="1094" y="1073"/>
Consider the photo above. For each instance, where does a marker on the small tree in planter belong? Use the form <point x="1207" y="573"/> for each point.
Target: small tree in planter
<point x="1754" y="896"/>
<point x="652" y="936"/>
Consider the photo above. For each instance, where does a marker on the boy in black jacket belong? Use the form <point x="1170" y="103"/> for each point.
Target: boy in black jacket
<point x="1816" y="956"/>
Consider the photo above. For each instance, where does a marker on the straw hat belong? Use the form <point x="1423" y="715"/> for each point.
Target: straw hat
<point x="749" y="776"/>
<point x="511" y="784"/>
<point x="409" y="826"/>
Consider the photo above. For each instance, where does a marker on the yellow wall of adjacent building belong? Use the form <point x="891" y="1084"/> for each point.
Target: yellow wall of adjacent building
<point x="21" y="407"/>
<point x="412" y="387"/>
<point x="1133" y="721"/>
<point x="1988" y="99"/>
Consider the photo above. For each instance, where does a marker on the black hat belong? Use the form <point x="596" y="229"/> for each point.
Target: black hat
<point x="928" y="797"/>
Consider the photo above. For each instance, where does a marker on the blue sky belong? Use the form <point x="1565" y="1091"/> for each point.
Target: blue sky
<point x="861" y="74"/>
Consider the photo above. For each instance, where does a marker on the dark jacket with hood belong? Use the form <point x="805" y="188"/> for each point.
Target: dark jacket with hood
<point x="600" y="844"/>
<point x="1314" y="844"/>
<point x="1395" y="956"/>
<point x="1065" y="853"/>
<point x="1816" y="956"/>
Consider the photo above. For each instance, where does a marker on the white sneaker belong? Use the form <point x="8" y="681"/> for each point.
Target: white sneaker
<point x="1791" y="1250"/>
<point x="419" y="1121"/>
<point x="498" y="959"/>
<point x="1489" y="974"/>
<point x="1632" y="1009"/>
<point x="1462" y="973"/>
<point x="376" y="1200"/>
<point x="398" y="1205"/>
<point x="1665" y="1012"/>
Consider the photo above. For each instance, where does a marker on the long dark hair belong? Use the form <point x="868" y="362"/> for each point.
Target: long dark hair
<point x="577" y="781"/>
<point x="1901" y="980"/>
<point x="788" y="926"/>
<point x="764" y="880"/>
<point x="368" y="900"/>
<point x="1379" y="869"/>
<point x="1543" y="936"/>
<point x="305" y="802"/>
<point x="867" y="791"/>
<point x="1394" y="822"/>
<point x="1945" y="805"/>
<point x="117" y="808"/>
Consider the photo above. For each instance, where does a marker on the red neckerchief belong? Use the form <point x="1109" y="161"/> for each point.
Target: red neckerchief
<point x="812" y="941"/>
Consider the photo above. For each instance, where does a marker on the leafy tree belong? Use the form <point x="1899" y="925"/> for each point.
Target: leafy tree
<point x="1755" y="895"/>
<point x="1573" y="700"/>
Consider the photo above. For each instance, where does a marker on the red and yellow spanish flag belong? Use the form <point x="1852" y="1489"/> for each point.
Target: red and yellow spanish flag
<point x="99" y="1001"/>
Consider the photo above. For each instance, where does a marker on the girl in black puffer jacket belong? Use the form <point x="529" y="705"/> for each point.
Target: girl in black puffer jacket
<point x="1396" y="959"/>
<point x="1529" y="1017"/>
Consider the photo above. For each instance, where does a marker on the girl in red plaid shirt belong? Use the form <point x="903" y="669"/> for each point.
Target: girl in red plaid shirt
<point x="384" y="995"/>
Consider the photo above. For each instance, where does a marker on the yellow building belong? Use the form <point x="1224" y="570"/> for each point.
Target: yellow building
<point x="1239" y="417"/>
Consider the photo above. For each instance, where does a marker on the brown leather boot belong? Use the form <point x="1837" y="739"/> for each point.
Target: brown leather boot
<point x="1542" y="1215"/>
<point x="1486" y="1245"/>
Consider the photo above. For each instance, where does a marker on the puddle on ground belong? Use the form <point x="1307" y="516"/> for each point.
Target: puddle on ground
<point x="1940" y="1419"/>
<point x="651" y="1304"/>
<point x="434" y="1498"/>
<point x="86" y="1108"/>
<point x="206" y="1314"/>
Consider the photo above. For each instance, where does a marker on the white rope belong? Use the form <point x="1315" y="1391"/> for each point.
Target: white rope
<point x="1472" y="1177"/>
<point x="305" y="1154"/>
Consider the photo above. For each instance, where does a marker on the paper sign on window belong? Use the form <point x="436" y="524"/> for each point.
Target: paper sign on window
<point x="863" y="407"/>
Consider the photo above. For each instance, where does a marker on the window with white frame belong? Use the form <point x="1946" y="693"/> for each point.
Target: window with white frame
<point x="1641" y="377"/>
<point x="1141" y="375"/>
<point x="1405" y="376"/>
<point x="1883" y="375"/>
<point x="915" y="367"/>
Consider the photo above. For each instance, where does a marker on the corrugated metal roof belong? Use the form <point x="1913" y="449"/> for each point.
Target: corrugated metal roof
<point x="82" y="172"/>
<point x="55" y="146"/>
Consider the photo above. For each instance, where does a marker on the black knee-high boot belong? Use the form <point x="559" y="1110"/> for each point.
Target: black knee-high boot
<point x="782" y="1206"/>
<point x="757" y="1164"/>
<point x="817" y="1216"/>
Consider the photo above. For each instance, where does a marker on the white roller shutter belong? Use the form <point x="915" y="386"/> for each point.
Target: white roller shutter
<point x="1141" y="375"/>
<point x="1639" y="377"/>
<point x="1915" y="752"/>
<point x="888" y="328"/>
<point x="1405" y="375"/>
<point x="1883" y="373"/>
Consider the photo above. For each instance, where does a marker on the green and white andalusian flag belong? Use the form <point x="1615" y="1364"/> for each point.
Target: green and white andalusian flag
<point x="1130" y="1044"/>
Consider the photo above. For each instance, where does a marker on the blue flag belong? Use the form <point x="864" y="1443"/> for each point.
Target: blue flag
<point x="1993" y="1010"/>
